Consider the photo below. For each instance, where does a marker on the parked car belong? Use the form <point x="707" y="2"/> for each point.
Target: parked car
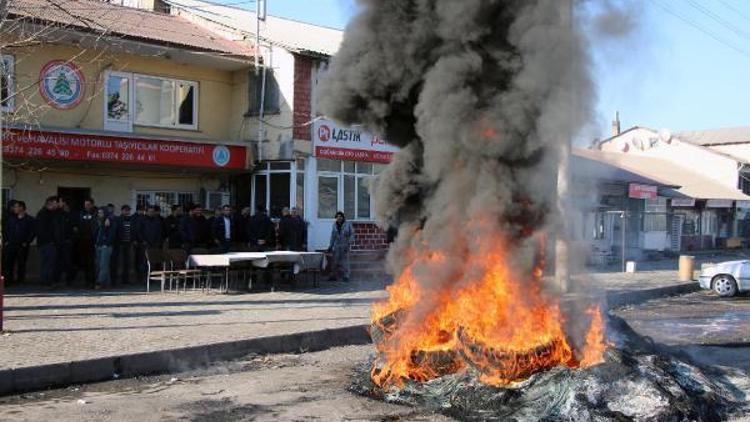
<point x="726" y="278"/>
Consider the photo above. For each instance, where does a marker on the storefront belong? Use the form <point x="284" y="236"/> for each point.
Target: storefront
<point x="339" y="175"/>
<point x="117" y="169"/>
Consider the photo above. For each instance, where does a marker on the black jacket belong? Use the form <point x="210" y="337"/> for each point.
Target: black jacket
<point x="292" y="233"/>
<point x="218" y="231"/>
<point x="18" y="231"/>
<point x="49" y="227"/>
<point x="87" y="226"/>
<point x="195" y="231"/>
<point x="172" y="231"/>
<point x="261" y="227"/>
<point x="151" y="232"/>
<point x="239" y="227"/>
<point x="127" y="229"/>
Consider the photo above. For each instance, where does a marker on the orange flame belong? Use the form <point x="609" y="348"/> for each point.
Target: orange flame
<point x="593" y="352"/>
<point x="489" y="319"/>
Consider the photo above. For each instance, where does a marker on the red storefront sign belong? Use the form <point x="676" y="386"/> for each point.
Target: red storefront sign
<point x="637" y="191"/>
<point x="353" y="154"/>
<point x="47" y="145"/>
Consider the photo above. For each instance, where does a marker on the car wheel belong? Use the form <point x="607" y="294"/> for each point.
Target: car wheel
<point x="724" y="285"/>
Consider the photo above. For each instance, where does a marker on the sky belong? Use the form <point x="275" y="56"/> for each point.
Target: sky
<point x="682" y="66"/>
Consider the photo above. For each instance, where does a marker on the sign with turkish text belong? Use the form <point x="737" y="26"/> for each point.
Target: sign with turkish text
<point x="719" y="203"/>
<point x="683" y="202"/>
<point x="62" y="84"/>
<point x="47" y="145"/>
<point x="637" y="191"/>
<point x="349" y="143"/>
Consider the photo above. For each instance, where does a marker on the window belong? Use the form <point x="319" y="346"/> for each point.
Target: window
<point x="149" y="101"/>
<point x="278" y="185"/>
<point x="354" y="184"/>
<point x="165" y="102"/>
<point x="164" y="199"/>
<point x="255" y="86"/>
<point x="7" y="83"/>
<point x="7" y="195"/>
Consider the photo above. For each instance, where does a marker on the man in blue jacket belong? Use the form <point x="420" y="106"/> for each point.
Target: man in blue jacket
<point x="18" y="233"/>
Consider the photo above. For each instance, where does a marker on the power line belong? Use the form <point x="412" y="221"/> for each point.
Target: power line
<point x="734" y="9"/>
<point x="701" y="29"/>
<point x="721" y="21"/>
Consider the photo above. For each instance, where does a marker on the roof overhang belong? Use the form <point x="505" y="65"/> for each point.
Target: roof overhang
<point x="133" y="45"/>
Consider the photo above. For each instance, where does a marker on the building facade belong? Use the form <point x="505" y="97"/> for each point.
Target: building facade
<point x="124" y="105"/>
<point x="302" y="159"/>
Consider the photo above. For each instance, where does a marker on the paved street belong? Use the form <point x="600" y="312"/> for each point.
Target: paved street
<point x="310" y="386"/>
<point x="59" y="327"/>
<point x="54" y="327"/>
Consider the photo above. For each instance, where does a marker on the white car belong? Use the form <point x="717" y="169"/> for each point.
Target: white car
<point x="726" y="278"/>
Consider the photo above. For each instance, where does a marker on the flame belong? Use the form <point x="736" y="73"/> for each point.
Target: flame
<point x="487" y="318"/>
<point x="593" y="352"/>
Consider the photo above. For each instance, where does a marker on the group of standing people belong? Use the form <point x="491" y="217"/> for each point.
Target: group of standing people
<point x="104" y="246"/>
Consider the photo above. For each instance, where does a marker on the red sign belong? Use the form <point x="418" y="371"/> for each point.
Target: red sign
<point x="353" y="154"/>
<point x="637" y="191"/>
<point x="44" y="145"/>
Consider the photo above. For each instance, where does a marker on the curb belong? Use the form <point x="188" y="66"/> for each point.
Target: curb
<point x="33" y="378"/>
<point x="634" y="297"/>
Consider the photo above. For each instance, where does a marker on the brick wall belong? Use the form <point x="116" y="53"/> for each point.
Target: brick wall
<point x="302" y="96"/>
<point x="369" y="237"/>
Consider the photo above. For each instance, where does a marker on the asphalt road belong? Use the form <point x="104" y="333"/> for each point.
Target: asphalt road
<point x="306" y="387"/>
<point x="713" y="330"/>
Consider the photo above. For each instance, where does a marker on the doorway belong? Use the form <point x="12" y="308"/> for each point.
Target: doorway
<point x="74" y="197"/>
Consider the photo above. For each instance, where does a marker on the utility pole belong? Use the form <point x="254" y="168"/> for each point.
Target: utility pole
<point x="562" y="243"/>
<point x="3" y="72"/>
<point x="260" y="15"/>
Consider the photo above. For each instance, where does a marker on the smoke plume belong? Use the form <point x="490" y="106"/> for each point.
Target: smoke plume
<point x="479" y="94"/>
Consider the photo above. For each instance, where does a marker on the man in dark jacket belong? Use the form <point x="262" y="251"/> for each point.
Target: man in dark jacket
<point x="122" y="253"/>
<point x="151" y="230"/>
<point x="85" y="249"/>
<point x="292" y="231"/>
<point x="261" y="231"/>
<point x="221" y="231"/>
<point x="241" y="222"/>
<point x="49" y="236"/>
<point x="18" y="233"/>
<point x="104" y="229"/>
<point x="172" y="227"/>
<point x="66" y="250"/>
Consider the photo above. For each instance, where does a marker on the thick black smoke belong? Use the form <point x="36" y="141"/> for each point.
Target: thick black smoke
<point x="479" y="94"/>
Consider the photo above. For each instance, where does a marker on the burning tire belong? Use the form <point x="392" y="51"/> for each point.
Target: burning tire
<point x="504" y="366"/>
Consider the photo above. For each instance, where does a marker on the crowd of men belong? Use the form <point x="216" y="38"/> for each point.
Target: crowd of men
<point x="103" y="246"/>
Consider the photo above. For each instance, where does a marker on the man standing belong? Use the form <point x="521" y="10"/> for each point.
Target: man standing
<point x="49" y="236"/>
<point x="296" y="232"/>
<point x="222" y="230"/>
<point x="240" y="227"/>
<point x="261" y="232"/>
<point x="65" y="251"/>
<point x="191" y="228"/>
<point x="18" y="233"/>
<point x="104" y="236"/>
<point x="86" y="250"/>
<point x="342" y="236"/>
<point x="125" y="237"/>
<point x="151" y="230"/>
<point x="172" y="227"/>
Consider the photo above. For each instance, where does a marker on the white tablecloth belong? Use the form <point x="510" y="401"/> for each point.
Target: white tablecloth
<point x="300" y="260"/>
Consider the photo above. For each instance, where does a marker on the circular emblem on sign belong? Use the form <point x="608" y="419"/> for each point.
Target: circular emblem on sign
<point x="324" y="133"/>
<point x="221" y="155"/>
<point x="61" y="84"/>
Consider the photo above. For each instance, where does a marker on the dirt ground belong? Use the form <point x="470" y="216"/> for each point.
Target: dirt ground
<point x="305" y="387"/>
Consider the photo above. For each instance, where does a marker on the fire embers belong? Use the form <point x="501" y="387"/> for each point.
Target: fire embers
<point x="500" y="326"/>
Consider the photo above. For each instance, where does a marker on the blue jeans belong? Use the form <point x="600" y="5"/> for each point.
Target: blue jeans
<point x="48" y="264"/>
<point x="103" y="258"/>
